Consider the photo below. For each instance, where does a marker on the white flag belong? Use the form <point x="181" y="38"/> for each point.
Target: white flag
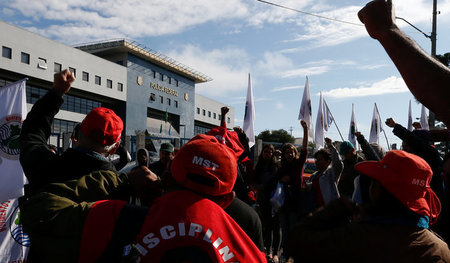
<point x="328" y="117"/>
<point x="249" y="117"/>
<point x="14" y="244"/>
<point x="305" y="112"/>
<point x="12" y="113"/>
<point x="424" y="119"/>
<point x="376" y="127"/>
<point x="410" y="127"/>
<point x="353" y="128"/>
<point x="319" y="137"/>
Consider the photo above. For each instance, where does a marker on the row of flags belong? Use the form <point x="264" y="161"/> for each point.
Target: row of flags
<point x="325" y="119"/>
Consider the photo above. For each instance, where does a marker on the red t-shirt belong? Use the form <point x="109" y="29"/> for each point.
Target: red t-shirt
<point x="178" y="220"/>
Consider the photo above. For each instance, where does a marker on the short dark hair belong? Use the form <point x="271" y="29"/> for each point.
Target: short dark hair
<point x="325" y="153"/>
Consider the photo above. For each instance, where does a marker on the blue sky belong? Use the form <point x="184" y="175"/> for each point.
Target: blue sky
<point x="227" y="39"/>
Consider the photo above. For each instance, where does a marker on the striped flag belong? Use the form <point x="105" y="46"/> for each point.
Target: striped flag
<point x="305" y="112"/>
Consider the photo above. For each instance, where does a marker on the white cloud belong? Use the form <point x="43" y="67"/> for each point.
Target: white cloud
<point x="286" y="88"/>
<point x="227" y="67"/>
<point x="387" y="86"/>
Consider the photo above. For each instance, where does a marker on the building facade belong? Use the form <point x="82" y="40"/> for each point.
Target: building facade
<point x="152" y="93"/>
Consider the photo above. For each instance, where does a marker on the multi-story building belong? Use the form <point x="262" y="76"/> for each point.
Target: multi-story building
<point x="149" y="91"/>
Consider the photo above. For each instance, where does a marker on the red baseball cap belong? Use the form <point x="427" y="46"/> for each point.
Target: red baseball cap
<point x="229" y="138"/>
<point x="102" y="125"/>
<point x="206" y="166"/>
<point x="407" y="177"/>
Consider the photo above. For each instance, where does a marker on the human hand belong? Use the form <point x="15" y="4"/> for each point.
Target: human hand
<point x="390" y="123"/>
<point x="62" y="81"/>
<point x="224" y="110"/>
<point x="378" y="16"/>
<point x="357" y="134"/>
<point x="144" y="182"/>
<point x="304" y="124"/>
<point x="328" y="142"/>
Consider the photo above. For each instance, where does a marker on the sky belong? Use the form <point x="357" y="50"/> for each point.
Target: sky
<point x="229" y="39"/>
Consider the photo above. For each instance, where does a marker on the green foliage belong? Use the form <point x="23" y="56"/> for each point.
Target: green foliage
<point x="281" y="136"/>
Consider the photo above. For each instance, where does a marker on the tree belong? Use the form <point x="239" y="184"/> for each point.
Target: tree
<point x="281" y="136"/>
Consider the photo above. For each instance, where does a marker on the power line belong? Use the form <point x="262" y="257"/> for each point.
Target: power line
<point x="311" y="14"/>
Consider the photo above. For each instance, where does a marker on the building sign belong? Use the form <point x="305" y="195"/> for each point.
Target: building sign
<point x="169" y="91"/>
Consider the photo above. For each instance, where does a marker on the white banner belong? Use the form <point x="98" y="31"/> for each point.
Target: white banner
<point x="305" y="112"/>
<point x="353" y="128"/>
<point x="14" y="244"/>
<point x="410" y="120"/>
<point x="319" y="137"/>
<point x="13" y="109"/>
<point x="424" y="119"/>
<point x="376" y="127"/>
<point x="249" y="117"/>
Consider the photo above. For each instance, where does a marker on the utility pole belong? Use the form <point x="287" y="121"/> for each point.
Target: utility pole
<point x="291" y="129"/>
<point x="432" y="117"/>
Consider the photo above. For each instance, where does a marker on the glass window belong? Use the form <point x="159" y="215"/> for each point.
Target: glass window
<point x="25" y="58"/>
<point x="42" y="63"/>
<point x="152" y="96"/>
<point x="154" y="74"/>
<point x="209" y="114"/>
<point x="85" y="76"/>
<point x="176" y="103"/>
<point x="6" y="52"/>
<point x="220" y="117"/>
<point x="170" y="80"/>
<point x="228" y="119"/>
<point x="214" y="115"/>
<point x="198" y="110"/>
<point x="109" y="83"/>
<point x="161" y="77"/>
<point x="74" y="71"/>
<point x="204" y="112"/>
<point x="176" y="82"/>
<point x="168" y="101"/>
<point x="57" y="67"/>
<point x="119" y="86"/>
<point x="98" y="80"/>
<point x="161" y="99"/>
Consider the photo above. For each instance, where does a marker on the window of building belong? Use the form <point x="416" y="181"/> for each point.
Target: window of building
<point x="85" y="76"/>
<point x="109" y="83"/>
<point x="119" y="86"/>
<point x="57" y="67"/>
<point x="168" y="101"/>
<point x="161" y="99"/>
<point x="152" y="97"/>
<point x="209" y="114"/>
<point x="74" y="71"/>
<point x="198" y="110"/>
<point x="170" y="80"/>
<point x="220" y="117"/>
<point x="176" y="82"/>
<point x="176" y="103"/>
<point x="98" y="80"/>
<point x="228" y="119"/>
<point x="154" y="74"/>
<point x="214" y="115"/>
<point x="25" y="58"/>
<point x="161" y="77"/>
<point x="42" y="63"/>
<point x="6" y="52"/>
<point x="204" y="112"/>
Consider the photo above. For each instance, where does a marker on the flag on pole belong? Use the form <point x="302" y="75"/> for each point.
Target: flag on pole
<point x="13" y="110"/>
<point x="424" y="119"/>
<point x="376" y="127"/>
<point x="249" y="117"/>
<point x="14" y="244"/>
<point x="410" y="121"/>
<point x="319" y="136"/>
<point x="305" y="112"/>
<point x="328" y="117"/>
<point x="352" y="130"/>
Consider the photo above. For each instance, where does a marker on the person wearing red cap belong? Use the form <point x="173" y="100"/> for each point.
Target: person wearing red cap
<point x="97" y="137"/>
<point x="187" y="223"/>
<point x="394" y="228"/>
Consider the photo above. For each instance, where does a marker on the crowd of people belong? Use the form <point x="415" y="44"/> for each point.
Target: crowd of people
<point x="209" y="202"/>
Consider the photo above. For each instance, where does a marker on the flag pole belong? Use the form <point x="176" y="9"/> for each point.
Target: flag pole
<point x="336" y="126"/>
<point x="389" y="147"/>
